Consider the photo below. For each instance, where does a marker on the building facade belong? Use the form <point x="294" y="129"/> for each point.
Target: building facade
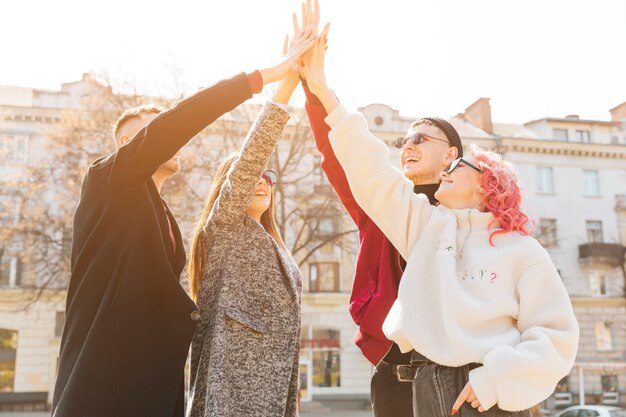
<point x="573" y="174"/>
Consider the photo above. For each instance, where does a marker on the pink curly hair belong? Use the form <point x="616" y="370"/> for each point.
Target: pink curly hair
<point x="502" y="197"/>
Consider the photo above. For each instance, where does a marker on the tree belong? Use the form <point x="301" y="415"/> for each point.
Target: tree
<point x="309" y="214"/>
<point x="43" y="193"/>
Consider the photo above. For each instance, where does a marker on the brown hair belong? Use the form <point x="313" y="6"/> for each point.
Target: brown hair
<point x="134" y="113"/>
<point x="197" y="257"/>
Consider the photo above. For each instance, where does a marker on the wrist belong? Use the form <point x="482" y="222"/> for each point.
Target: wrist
<point x="285" y="89"/>
<point x="268" y="75"/>
<point x="328" y="100"/>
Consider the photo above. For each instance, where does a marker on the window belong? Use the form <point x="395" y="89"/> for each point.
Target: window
<point x="547" y="233"/>
<point x="609" y="383"/>
<point x="597" y="283"/>
<point x="591" y="186"/>
<point x="582" y="136"/>
<point x="322" y="346"/>
<point x="603" y="336"/>
<point x="325" y="227"/>
<point x="588" y="413"/>
<point x="545" y="183"/>
<point x="319" y="176"/>
<point x="10" y="271"/>
<point x="59" y="323"/>
<point x="328" y="249"/>
<point x="10" y="206"/>
<point x="8" y="349"/>
<point x="594" y="231"/>
<point x="559" y="134"/>
<point x="14" y="148"/>
<point x="324" y="277"/>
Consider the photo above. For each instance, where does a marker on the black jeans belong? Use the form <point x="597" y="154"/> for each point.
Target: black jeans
<point x="390" y="397"/>
<point x="436" y="388"/>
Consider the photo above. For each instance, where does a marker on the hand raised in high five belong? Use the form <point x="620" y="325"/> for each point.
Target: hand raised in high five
<point x="292" y="77"/>
<point x="310" y="19"/>
<point x="313" y="72"/>
<point x="303" y="40"/>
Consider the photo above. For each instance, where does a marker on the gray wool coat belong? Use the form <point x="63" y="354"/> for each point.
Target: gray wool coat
<point x="245" y="353"/>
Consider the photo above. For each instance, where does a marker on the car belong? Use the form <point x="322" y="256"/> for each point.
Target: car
<point x="592" y="411"/>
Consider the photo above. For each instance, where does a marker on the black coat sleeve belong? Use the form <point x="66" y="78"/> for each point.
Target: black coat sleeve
<point x="159" y="141"/>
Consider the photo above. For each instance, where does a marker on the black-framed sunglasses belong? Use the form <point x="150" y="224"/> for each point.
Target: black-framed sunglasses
<point x="416" y="139"/>
<point x="458" y="161"/>
<point x="270" y="177"/>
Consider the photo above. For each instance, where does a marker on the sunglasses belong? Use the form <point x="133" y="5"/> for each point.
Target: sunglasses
<point x="270" y="177"/>
<point x="415" y="138"/>
<point x="454" y="165"/>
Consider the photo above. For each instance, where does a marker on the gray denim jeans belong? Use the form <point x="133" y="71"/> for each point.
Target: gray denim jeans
<point x="436" y="388"/>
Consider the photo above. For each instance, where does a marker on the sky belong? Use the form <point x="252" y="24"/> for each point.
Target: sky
<point x="533" y="58"/>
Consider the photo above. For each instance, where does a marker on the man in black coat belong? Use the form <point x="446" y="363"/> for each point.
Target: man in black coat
<point x="129" y="322"/>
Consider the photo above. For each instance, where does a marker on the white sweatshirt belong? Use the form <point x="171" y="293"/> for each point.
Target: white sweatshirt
<point x="460" y="299"/>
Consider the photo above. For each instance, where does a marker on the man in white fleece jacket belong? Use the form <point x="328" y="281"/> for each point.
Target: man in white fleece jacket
<point x="479" y="297"/>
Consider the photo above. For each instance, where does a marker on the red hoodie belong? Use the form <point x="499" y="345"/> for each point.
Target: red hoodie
<point x="379" y="265"/>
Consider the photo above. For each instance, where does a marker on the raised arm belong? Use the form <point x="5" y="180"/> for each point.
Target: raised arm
<point x="331" y="166"/>
<point x="547" y="349"/>
<point x="159" y="141"/>
<point x="380" y="189"/>
<point x="236" y="192"/>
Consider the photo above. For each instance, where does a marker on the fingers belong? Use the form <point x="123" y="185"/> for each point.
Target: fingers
<point x="309" y="13"/>
<point x="324" y="33"/>
<point x="321" y="52"/>
<point x="461" y="399"/>
<point x="286" y="45"/>
<point x="304" y="35"/>
<point x="303" y="7"/>
<point x="316" y="14"/>
<point x="302" y="45"/>
<point x="296" y="26"/>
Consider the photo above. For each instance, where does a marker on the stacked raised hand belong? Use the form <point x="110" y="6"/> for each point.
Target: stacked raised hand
<point x="308" y="27"/>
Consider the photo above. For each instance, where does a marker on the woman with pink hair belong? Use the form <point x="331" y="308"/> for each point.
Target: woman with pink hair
<point x="479" y="299"/>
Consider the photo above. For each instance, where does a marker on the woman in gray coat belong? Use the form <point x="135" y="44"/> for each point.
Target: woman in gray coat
<point x="244" y="355"/>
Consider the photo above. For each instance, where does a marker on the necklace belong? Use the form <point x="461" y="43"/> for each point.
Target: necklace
<point x="469" y="218"/>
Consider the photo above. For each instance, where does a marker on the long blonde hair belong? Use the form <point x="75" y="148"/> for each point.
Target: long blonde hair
<point x="197" y="258"/>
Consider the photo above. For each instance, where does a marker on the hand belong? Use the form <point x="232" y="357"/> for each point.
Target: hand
<point x="292" y="78"/>
<point x="310" y="18"/>
<point x="313" y="71"/>
<point x="289" y="82"/>
<point x="303" y="40"/>
<point x="467" y="395"/>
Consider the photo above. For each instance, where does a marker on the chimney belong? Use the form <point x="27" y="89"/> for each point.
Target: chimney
<point x="479" y="114"/>
<point x="618" y="113"/>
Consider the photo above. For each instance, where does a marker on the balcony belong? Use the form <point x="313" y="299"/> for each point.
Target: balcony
<point x="611" y="254"/>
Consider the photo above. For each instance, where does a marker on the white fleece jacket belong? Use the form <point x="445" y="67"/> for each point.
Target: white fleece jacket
<point x="460" y="299"/>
